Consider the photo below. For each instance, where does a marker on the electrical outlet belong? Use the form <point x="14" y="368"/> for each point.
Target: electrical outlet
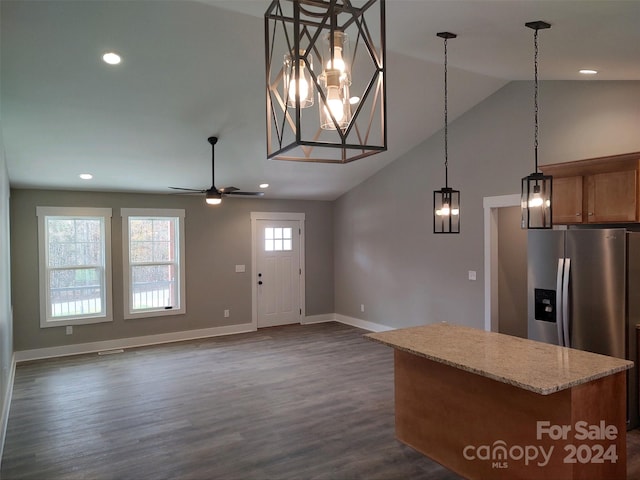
<point x="226" y="314"/>
<point x="362" y="307"/>
<point x="69" y="330"/>
<point x="472" y="275"/>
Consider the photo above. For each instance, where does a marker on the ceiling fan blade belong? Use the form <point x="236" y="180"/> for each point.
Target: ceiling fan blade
<point x="250" y="194"/>
<point x="188" y="189"/>
<point x="228" y="189"/>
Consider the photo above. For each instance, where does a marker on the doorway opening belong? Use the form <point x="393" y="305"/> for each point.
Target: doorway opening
<point x="505" y="261"/>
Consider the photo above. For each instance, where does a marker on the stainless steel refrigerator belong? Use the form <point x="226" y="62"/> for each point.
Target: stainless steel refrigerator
<point x="584" y="293"/>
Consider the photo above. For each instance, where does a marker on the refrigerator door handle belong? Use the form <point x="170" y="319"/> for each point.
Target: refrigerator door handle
<point x="559" y="292"/>
<point x="565" y="302"/>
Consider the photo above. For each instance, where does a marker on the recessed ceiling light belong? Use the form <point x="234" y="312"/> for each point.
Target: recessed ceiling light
<point x="111" y="58"/>
<point x="85" y="176"/>
<point x="587" y="71"/>
<point x="264" y="185"/>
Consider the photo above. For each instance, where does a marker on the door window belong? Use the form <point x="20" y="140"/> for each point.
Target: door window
<point x="278" y="239"/>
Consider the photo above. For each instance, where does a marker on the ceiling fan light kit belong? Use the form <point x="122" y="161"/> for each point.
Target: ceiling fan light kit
<point x="213" y="195"/>
<point x="537" y="188"/>
<point x="325" y="68"/>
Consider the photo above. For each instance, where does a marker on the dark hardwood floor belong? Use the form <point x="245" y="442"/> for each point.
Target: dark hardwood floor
<point x="297" y="402"/>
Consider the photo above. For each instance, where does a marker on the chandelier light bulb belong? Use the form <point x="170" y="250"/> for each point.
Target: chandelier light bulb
<point x="304" y="90"/>
<point x="305" y="81"/>
<point x="335" y="103"/>
<point x="337" y="62"/>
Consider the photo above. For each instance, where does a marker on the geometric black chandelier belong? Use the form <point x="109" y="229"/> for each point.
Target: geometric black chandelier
<point x="325" y="88"/>
<point x="446" y="201"/>
<point x="535" y="203"/>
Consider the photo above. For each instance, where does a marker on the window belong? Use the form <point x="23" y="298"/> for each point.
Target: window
<point x="153" y="254"/>
<point x="278" y="239"/>
<point x="75" y="265"/>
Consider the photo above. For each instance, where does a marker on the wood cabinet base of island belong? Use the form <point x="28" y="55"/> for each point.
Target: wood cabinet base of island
<point x="485" y="429"/>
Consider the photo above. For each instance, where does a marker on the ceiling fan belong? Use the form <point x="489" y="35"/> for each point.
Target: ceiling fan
<point x="214" y="195"/>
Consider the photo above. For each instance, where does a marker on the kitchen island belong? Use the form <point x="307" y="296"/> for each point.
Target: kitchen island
<point x="493" y="406"/>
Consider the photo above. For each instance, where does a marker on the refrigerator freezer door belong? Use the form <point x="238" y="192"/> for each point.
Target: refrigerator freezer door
<point x="597" y="289"/>
<point x="544" y="249"/>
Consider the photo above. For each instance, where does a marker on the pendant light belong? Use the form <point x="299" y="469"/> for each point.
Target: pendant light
<point x="446" y="201"/>
<point x="326" y="101"/>
<point x="535" y="201"/>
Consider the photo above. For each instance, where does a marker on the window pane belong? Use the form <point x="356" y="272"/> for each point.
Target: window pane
<point x="74" y="241"/>
<point x="277" y="233"/>
<point x="162" y="229"/>
<point x="75" y="291"/>
<point x="162" y="252"/>
<point x="140" y="229"/>
<point x="268" y="245"/>
<point x="153" y="286"/>
<point x="141" y="252"/>
<point x="286" y="233"/>
<point x="286" y="245"/>
<point x="151" y="239"/>
<point x="268" y="232"/>
<point x="278" y="245"/>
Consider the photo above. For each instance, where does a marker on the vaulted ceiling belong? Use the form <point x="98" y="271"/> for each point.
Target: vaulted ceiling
<point x="195" y="69"/>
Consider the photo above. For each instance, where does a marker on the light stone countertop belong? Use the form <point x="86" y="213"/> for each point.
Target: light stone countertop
<point x="539" y="367"/>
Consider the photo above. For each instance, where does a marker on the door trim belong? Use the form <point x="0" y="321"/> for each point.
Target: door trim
<point x="288" y="216"/>
<point x="491" y="206"/>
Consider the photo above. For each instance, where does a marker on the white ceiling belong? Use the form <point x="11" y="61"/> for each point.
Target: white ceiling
<point x="195" y="69"/>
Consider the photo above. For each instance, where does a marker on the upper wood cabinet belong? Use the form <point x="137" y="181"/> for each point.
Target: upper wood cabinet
<point x="598" y="190"/>
<point x="567" y="200"/>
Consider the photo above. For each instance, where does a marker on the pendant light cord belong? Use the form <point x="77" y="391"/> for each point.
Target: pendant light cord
<point x="535" y="97"/>
<point x="446" y="120"/>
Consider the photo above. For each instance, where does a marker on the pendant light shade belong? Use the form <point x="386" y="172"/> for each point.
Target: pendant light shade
<point x="446" y="201"/>
<point x="446" y="209"/>
<point x="325" y="67"/>
<point x="537" y="188"/>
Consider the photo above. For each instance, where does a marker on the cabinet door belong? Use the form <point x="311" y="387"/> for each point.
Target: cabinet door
<point x="612" y="197"/>
<point x="567" y="200"/>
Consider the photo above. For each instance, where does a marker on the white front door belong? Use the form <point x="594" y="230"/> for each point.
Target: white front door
<point x="277" y="272"/>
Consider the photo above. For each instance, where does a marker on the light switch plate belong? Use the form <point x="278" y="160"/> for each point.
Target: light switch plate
<point x="240" y="269"/>
<point x="472" y="274"/>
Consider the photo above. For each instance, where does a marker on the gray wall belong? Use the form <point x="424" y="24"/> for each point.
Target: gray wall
<point x="386" y="256"/>
<point x="216" y="240"/>
<point x="6" y="325"/>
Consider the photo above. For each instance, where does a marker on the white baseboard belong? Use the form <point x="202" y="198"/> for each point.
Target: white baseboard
<point x="6" y="404"/>
<point x="352" y="321"/>
<point x="132" y="342"/>
<point x="82" y="348"/>
<point x="323" y="318"/>
<point x="364" y="324"/>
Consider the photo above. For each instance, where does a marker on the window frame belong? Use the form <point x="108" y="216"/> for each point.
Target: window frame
<point x="168" y="213"/>
<point x="46" y="318"/>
